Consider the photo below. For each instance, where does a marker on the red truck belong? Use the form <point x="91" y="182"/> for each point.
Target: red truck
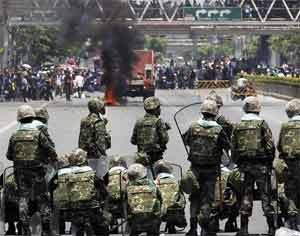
<point x="141" y="84"/>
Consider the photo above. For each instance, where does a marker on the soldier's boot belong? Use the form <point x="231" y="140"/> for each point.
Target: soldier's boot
<point x="271" y="225"/>
<point x="231" y="226"/>
<point x="11" y="229"/>
<point x="244" y="226"/>
<point x="292" y="220"/>
<point x="171" y="228"/>
<point x="26" y="230"/>
<point x="46" y="230"/>
<point x="20" y="228"/>
<point x="193" y="227"/>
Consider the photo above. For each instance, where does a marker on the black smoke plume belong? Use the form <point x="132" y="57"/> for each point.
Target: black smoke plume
<point x="115" y="38"/>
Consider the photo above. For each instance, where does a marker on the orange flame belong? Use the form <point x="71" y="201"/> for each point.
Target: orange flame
<point x="110" y="99"/>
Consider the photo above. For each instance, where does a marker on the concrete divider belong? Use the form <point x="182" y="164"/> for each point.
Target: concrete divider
<point x="282" y="91"/>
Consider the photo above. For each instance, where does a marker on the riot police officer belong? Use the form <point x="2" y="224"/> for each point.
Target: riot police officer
<point x="288" y="148"/>
<point x="206" y="140"/>
<point x="253" y="151"/>
<point x="30" y="148"/>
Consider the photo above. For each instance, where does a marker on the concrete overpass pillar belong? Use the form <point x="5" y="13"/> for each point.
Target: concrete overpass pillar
<point x="275" y="58"/>
<point x="4" y="44"/>
<point x="238" y="46"/>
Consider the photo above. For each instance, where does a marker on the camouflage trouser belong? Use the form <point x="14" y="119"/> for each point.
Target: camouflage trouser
<point x="202" y="200"/>
<point x="261" y="175"/>
<point x="89" y="221"/>
<point x="144" y="223"/>
<point x="32" y="186"/>
<point x="292" y="188"/>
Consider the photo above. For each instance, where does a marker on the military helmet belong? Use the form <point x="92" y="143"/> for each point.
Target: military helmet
<point x="41" y="113"/>
<point x="93" y="105"/>
<point x="151" y="103"/>
<point x="215" y="97"/>
<point x="117" y="161"/>
<point x="189" y="182"/>
<point x="209" y="107"/>
<point x="162" y="166"/>
<point x="293" y="108"/>
<point x="141" y="158"/>
<point x="136" y="171"/>
<point x="78" y="157"/>
<point x="252" y="104"/>
<point x="25" y="111"/>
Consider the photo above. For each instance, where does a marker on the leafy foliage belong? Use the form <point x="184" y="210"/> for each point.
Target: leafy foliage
<point x="225" y="48"/>
<point x="157" y="44"/>
<point x="252" y="45"/>
<point x="288" y="46"/>
<point x="1" y="51"/>
<point x="37" y="44"/>
<point x="273" y="79"/>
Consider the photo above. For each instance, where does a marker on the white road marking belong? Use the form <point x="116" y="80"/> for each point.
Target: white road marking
<point x="14" y="123"/>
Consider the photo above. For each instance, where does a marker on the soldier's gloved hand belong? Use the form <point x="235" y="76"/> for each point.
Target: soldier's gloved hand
<point x="168" y="126"/>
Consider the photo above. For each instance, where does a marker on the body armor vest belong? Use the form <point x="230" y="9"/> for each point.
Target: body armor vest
<point x="204" y="148"/>
<point x="249" y="139"/>
<point x="76" y="188"/>
<point x="26" y="145"/>
<point x="147" y="137"/>
<point x="290" y="139"/>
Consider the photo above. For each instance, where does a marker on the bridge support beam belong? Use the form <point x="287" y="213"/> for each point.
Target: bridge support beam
<point x="238" y="46"/>
<point x="4" y="44"/>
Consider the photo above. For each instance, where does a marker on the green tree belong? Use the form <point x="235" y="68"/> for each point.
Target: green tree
<point x="157" y="44"/>
<point x="224" y="48"/>
<point x="1" y="51"/>
<point x="288" y="46"/>
<point x="38" y="44"/>
<point x="250" y="50"/>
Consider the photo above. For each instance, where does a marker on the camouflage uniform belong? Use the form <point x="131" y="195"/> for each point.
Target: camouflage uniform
<point x="93" y="137"/>
<point x="11" y="200"/>
<point x="78" y="194"/>
<point x="150" y="132"/>
<point x="117" y="176"/>
<point x="144" y="202"/>
<point x="30" y="148"/>
<point x="253" y="151"/>
<point x="288" y="148"/>
<point x="173" y="199"/>
<point x="206" y="140"/>
<point x="221" y="119"/>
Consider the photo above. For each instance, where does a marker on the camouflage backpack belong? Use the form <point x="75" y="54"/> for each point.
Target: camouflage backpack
<point x="86" y="136"/>
<point x="117" y="184"/>
<point x="204" y="148"/>
<point x="249" y="139"/>
<point x="142" y="199"/>
<point x="11" y="190"/>
<point x="290" y="139"/>
<point x="26" y="145"/>
<point x="147" y="138"/>
<point x="222" y="185"/>
<point x="76" y="188"/>
<point x="171" y="195"/>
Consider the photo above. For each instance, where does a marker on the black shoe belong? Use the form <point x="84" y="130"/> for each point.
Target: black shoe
<point x="271" y="225"/>
<point x="244" y="227"/>
<point x="193" y="228"/>
<point x="171" y="229"/>
<point x="230" y="227"/>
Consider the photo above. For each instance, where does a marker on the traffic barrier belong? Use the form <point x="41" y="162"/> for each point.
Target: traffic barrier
<point x="213" y="84"/>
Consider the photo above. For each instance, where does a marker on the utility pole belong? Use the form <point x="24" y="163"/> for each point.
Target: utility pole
<point x="4" y="33"/>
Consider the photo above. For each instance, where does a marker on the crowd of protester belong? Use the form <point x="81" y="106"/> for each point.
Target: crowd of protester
<point x="26" y="84"/>
<point x="185" y="76"/>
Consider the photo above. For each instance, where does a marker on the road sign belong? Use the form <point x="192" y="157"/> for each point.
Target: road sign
<point x="230" y="13"/>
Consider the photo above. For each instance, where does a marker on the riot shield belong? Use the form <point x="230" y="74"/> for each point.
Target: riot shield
<point x="100" y="166"/>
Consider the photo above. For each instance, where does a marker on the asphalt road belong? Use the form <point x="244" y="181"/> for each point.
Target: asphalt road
<point x="65" y="120"/>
